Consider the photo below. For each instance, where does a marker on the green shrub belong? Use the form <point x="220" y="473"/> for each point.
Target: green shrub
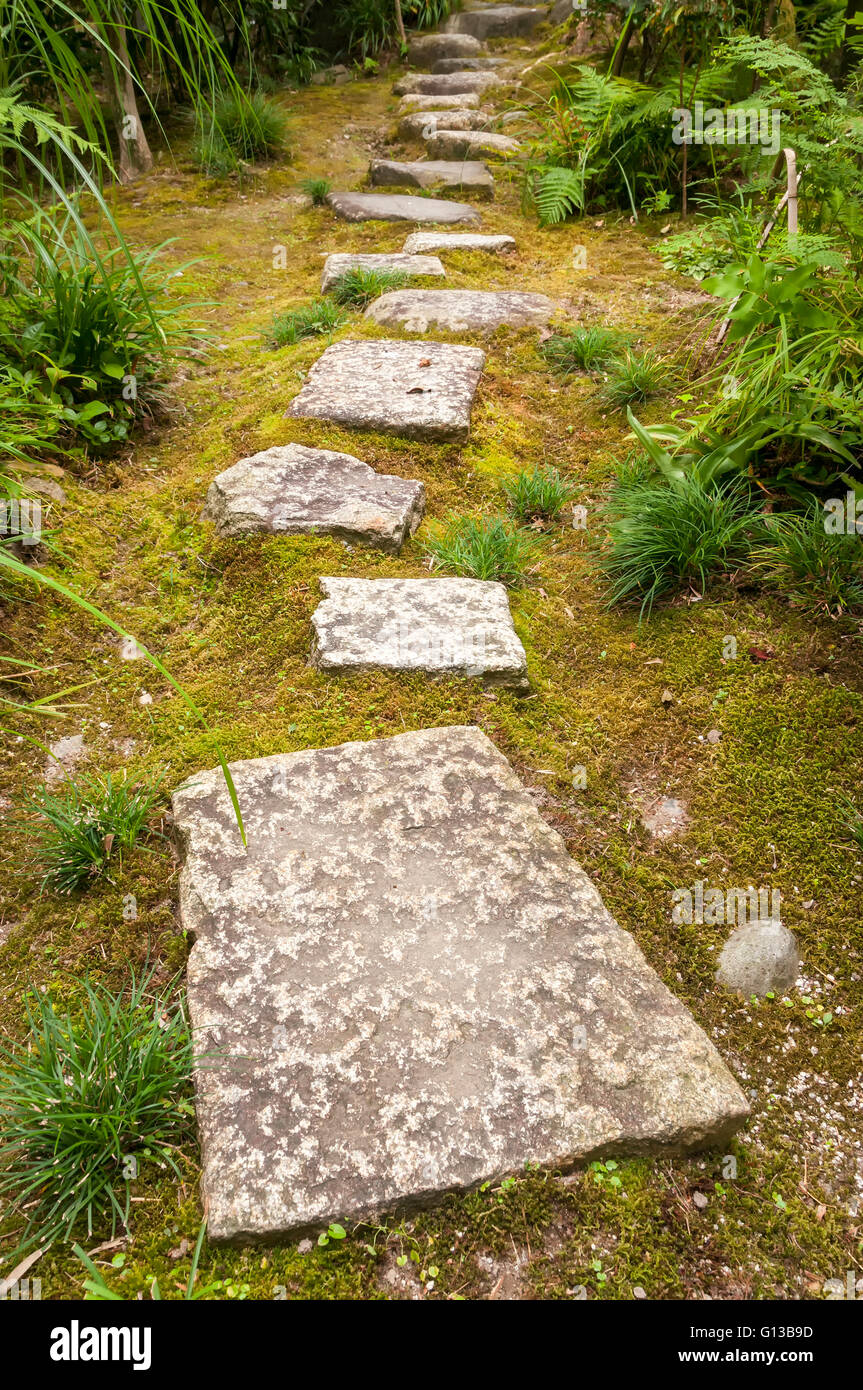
<point x="819" y="570"/>
<point x="86" y="1101"/>
<point x="538" y="493"/>
<point x="581" y="349"/>
<point x="667" y="538"/>
<point x="321" y="316"/>
<point x="491" y="548"/>
<point x="634" y="377"/>
<point x="317" y="189"/>
<point x="240" y="128"/>
<point x="79" y="830"/>
<point x="361" y="284"/>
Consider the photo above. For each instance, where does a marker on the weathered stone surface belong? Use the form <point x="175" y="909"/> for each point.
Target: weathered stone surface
<point x="291" y="490"/>
<point x="466" y="174"/>
<point x="454" y="626"/>
<point x="340" y="262"/>
<point x="419" y="242"/>
<point x="458" y="101"/>
<point x="470" y="144"/>
<point x="426" y="49"/>
<point x="460" y="310"/>
<point x="420" y="390"/>
<point x="419" y="125"/>
<point x="759" y="957"/>
<point x="467" y="64"/>
<point x="399" y="207"/>
<point x="405" y="986"/>
<point x="445" y="84"/>
<point x="495" y="21"/>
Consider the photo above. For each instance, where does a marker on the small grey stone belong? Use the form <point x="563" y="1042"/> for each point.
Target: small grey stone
<point x="426" y="49"/>
<point x="418" y="125"/>
<point x="304" y="1247"/>
<point x="759" y="958"/>
<point x="458" y="101"/>
<point x="387" y="980"/>
<point x="419" y="242"/>
<point x="638" y="1291"/>
<point x="398" y="207"/>
<point x="291" y="490"/>
<point x="454" y="626"/>
<point x="460" y="310"/>
<point x="496" y="21"/>
<point x="419" y="390"/>
<point x="340" y="262"/>
<point x="714" y="735"/>
<point x="470" y="144"/>
<point x="465" y="174"/>
<point x="700" y="1200"/>
<point x="65" y="753"/>
<point x="445" y="84"/>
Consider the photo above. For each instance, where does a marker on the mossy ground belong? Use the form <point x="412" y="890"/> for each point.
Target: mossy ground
<point x="231" y="621"/>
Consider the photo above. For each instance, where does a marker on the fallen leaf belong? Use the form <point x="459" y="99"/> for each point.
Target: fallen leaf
<point x="664" y="230"/>
<point x="107" y="842"/>
<point x="761" y="653"/>
<point x="424" y="362"/>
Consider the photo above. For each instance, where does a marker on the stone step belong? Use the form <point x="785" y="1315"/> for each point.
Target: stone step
<point x="496" y="21"/>
<point x="445" y="84"/>
<point x="426" y="49"/>
<point x="461" y="310"/>
<point x="420" y="125"/>
<point x="420" y="242"/>
<point x="443" y="626"/>
<point x="456" y="101"/>
<point x="291" y="490"/>
<point x="468" y="175"/>
<point x="399" y="207"/>
<point x="467" y="65"/>
<point x="340" y="262"/>
<point x="419" y="390"/>
<point x="404" y="987"/>
<point x="470" y="144"/>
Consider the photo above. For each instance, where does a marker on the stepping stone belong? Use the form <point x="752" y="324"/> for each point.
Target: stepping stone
<point x="419" y="242"/>
<point x="466" y="64"/>
<point x="455" y="626"/>
<point x="469" y="175"/>
<point x="418" y="390"/>
<point x="426" y="49"/>
<point x="291" y="490"/>
<point x="405" y="987"/>
<point x="496" y="21"/>
<point x="398" y="207"/>
<point x="460" y="310"/>
<point x="419" y="125"/>
<point x="458" y="101"/>
<point x="340" y="262"/>
<point x="445" y="84"/>
<point x="470" y="144"/>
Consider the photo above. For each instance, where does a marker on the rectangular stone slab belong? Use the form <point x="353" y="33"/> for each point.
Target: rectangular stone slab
<point x="451" y="626"/>
<point x="405" y="987"/>
<point x="291" y="490"/>
<point x="460" y="310"/>
<point x="340" y="262"/>
<point x="460" y="101"/>
<point x="445" y="84"/>
<point x="496" y="21"/>
<point x="398" y="207"/>
<point x="421" y="242"/>
<point x="425" y="49"/>
<point x="419" y="125"/>
<point x="419" y="390"/>
<point x="470" y="144"/>
<point x="467" y="174"/>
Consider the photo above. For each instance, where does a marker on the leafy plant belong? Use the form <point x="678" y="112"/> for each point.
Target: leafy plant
<point x="802" y="560"/>
<point x="361" y="284"/>
<point x="79" y="830"/>
<point x="490" y="548"/>
<point x="317" y="189"/>
<point x="634" y="377"/>
<point x="538" y="494"/>
<point x="86" y="1101"/>
<point x="309" y="321"/>
<point x="241" y="127"/>
<point x="581" y="349"/>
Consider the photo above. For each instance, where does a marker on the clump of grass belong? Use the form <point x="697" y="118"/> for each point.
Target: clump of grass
<point x="85" y="1101"/>
<point x="79" y="830"/>
<point x="634" y="377"/>
<point x="669" y="538"/>
<point x="309" y="321"/>
<point x="581" y="349"/>
<point x="820" y="570"/>
<point x="252" y="127"/>
<point x="362" y="283"/>
<point x="317" y="189"/>
<point x="538" y="494"/>
<point x="491" y="548"/>
<point x="853" y="822"/>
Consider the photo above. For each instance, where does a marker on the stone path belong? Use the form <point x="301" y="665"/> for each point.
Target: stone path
<point x="496" y="21"/>
<point x="460" y="101"/>
<point x="398" y="207"/>
<point x="406" y="987"/>
<point x="445" y="84"/>
<point x="419" y="125"/>
<point x="468" y="175"/>
<point x="457" y="626"/>
<point x="444" y="143"/>
<point x="419" y="242"/>
<point x="461" y="310"/>
<point x="291" y="490"/>
<point x="339" y="263"/>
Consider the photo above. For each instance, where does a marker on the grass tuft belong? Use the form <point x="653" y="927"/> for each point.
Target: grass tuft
<point x="634" y="377"/>
<point x="822" y="571"/>
<point x="581" y="349"/>
<point x="361" y="284"/>
<point x="317" y="189"/>
<point x="538" y="494"/>
<point x="309" y="321"/>
<point x="491" y="548"/>
<point x="79" y="830"/>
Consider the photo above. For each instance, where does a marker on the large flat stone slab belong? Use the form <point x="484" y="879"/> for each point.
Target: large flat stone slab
<point x="450" y="626"/>
<point x="427" y="49"/>
<point x="457" y="101"/>
<point x="461" y="310"/>
<point x="496" y="21"/>
<point x="420" y="125"/>
<point x="419" y="390"/>
<point x="337" y="265"/>
<point x="445" y="83"/>
<point x="467" y="64"/>
<point x="406" y="987"/>
<point x="421" y="242"/>
<point x="467" y="174"/>
<point x="399" y="207"/>
<point x="470" y="144"/>
<point x="291" y="490"/>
